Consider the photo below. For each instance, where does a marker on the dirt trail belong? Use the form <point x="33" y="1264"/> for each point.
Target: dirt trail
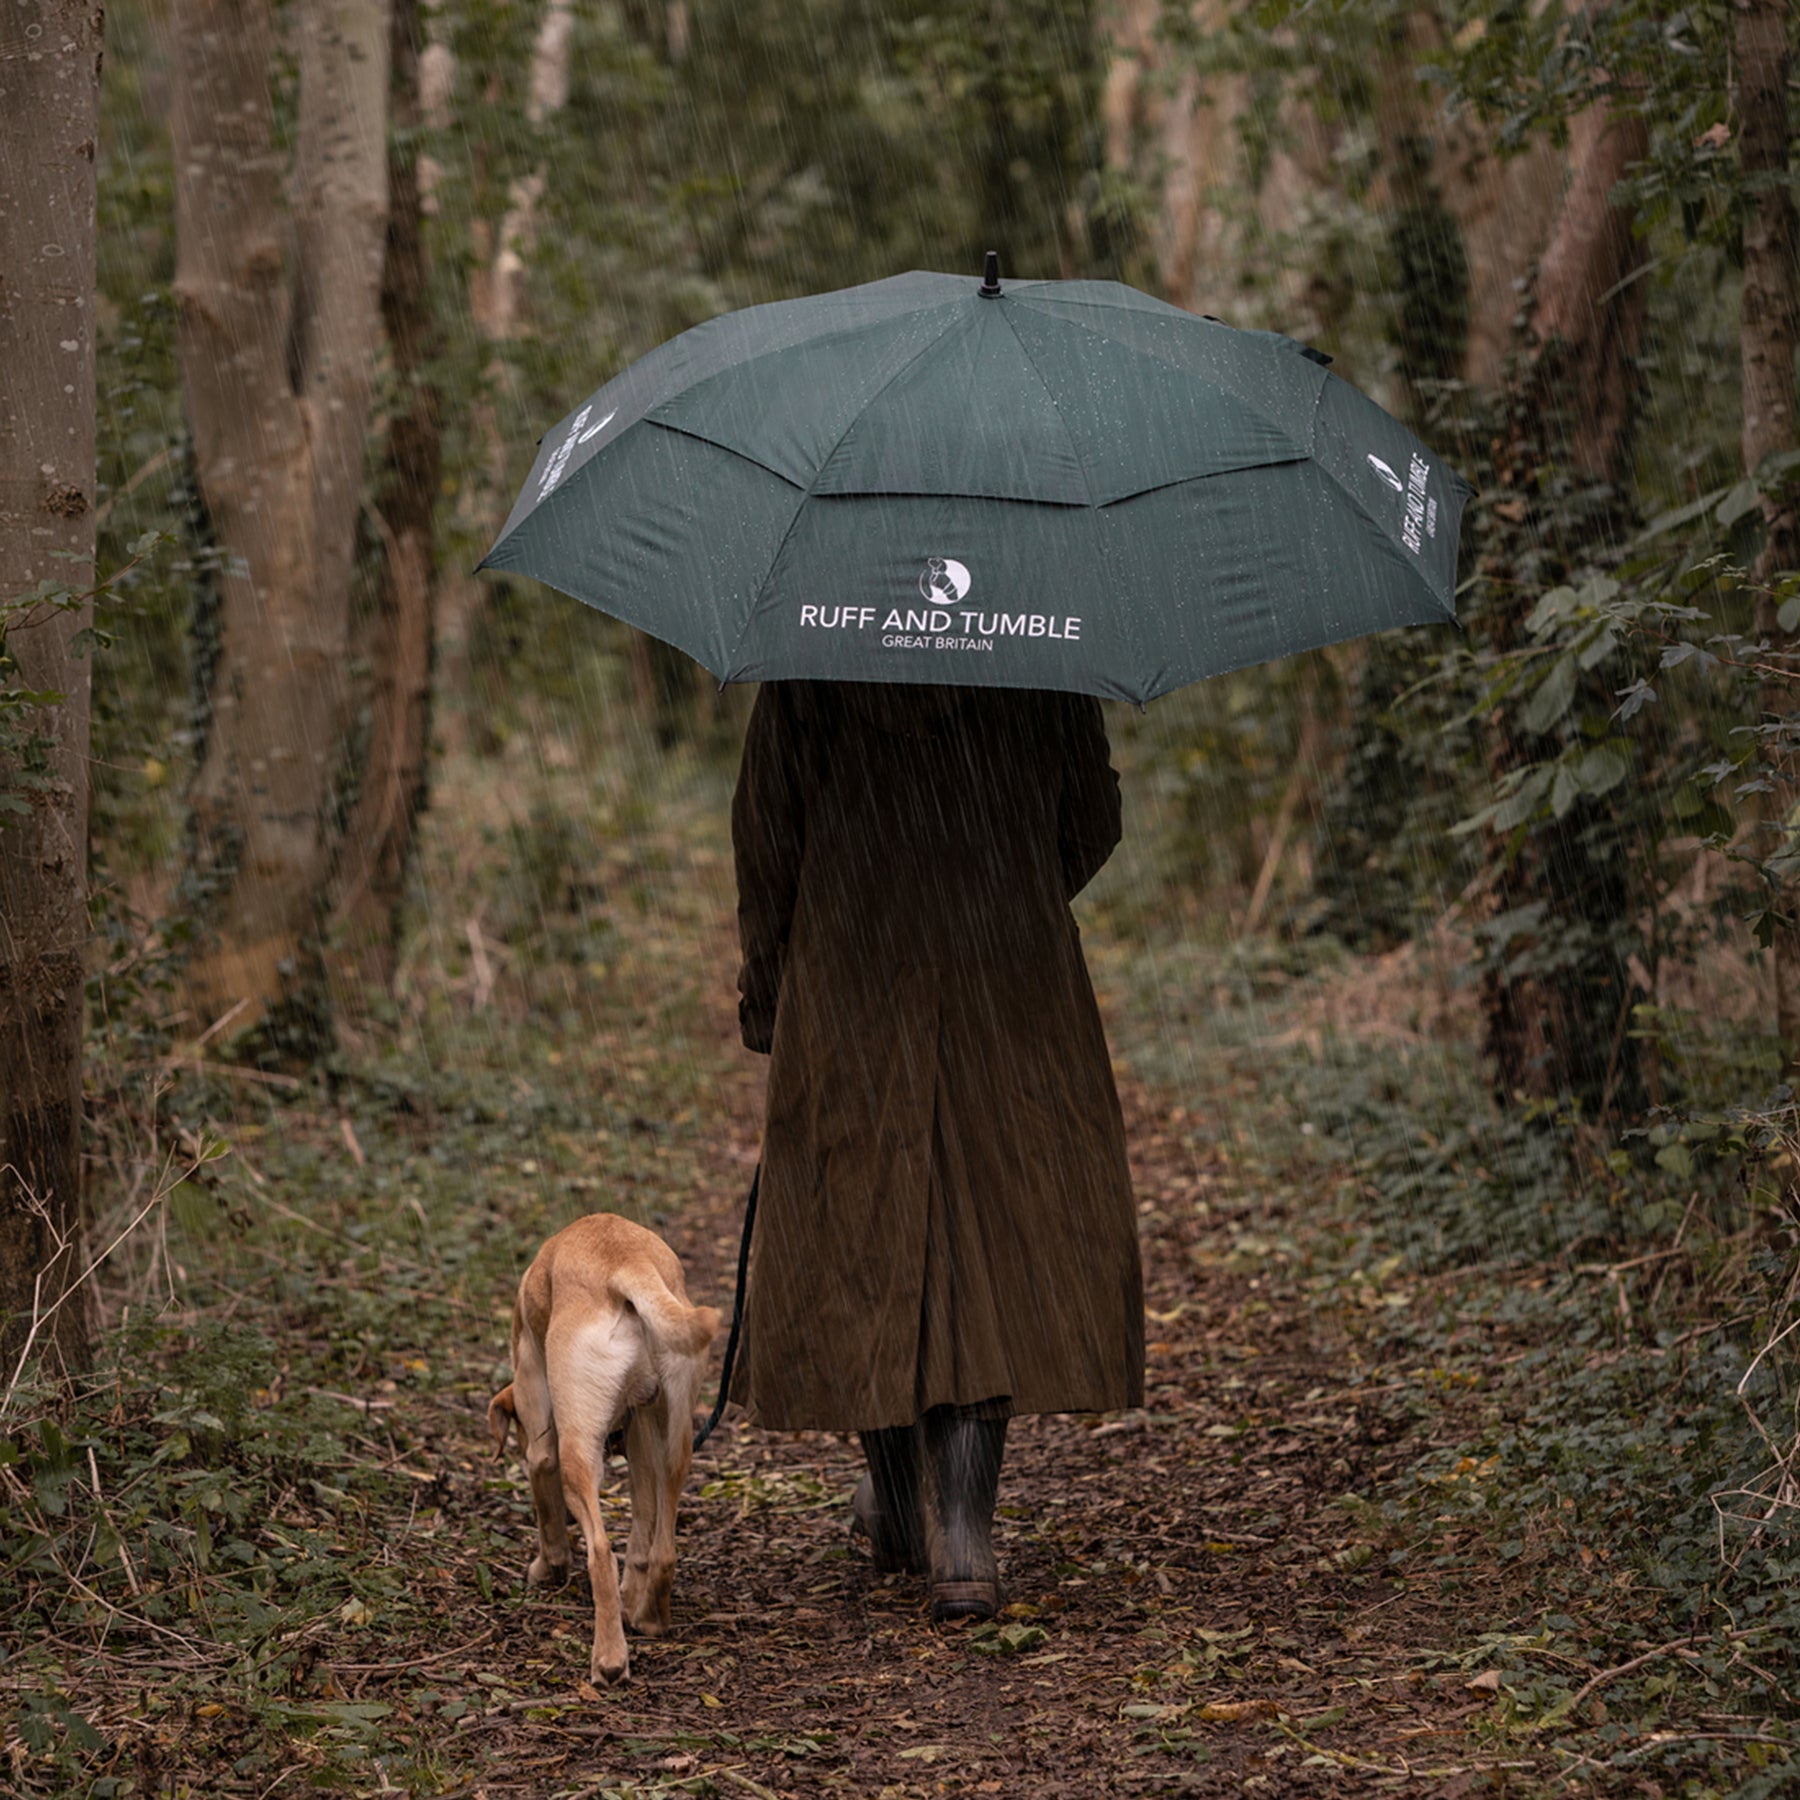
<point x="1190" y="1608"/>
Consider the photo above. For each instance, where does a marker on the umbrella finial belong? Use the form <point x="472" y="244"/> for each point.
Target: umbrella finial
<point x="991" y="286"/>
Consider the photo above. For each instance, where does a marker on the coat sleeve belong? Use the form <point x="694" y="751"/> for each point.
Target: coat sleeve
<point x="1088" y="815"/>
<point x="768" y="834"/>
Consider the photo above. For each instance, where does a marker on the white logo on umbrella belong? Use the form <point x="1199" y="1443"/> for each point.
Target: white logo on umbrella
<point x="594" y="431"/>
<point x="945" y="580"/>
<point x="1386" y="473"/>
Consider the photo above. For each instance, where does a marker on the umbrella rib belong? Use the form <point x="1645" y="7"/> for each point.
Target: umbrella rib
<point x="700" y="437"/>
<point x="673" y="385"/>
<point x="1157" y="487"/>
<point x="1049" y="394"/>
<point x="1387" y="536"/>
<point x="1166" y="308"/>
<point x="1164" y="362"/>
<point x="812" y="487"/>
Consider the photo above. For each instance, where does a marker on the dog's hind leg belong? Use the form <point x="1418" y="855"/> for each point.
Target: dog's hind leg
<point x="610" y="1660"/>
<point x="650" y="1554"/>
<point x="538" y="1434"/>
<point x="585" y="1382"/>
<point x="661" y="1444"/>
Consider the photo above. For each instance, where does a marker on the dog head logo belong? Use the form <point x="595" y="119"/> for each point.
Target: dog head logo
<point x="944" y="581"/>
<point x="1386" y="473"/>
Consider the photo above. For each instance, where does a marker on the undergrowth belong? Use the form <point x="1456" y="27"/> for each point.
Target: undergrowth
<point x="1620" y="1312"/>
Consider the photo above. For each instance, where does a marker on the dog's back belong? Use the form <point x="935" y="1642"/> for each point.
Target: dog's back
<point x="606" y="1257"/>
<point x="591" y="1268"/>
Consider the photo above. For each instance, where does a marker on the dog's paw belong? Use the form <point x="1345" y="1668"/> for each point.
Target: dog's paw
<point x="544" y="1573"/>
<point x="646" y="1609"/>
<point x="610" y="1674"/>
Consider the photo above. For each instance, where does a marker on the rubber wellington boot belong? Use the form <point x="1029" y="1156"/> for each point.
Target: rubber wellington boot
<point x="886" y="1507"/>
<point x="965" y="1477"/>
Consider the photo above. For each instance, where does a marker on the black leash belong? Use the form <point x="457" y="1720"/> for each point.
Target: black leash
<point x="737" y="1313"/>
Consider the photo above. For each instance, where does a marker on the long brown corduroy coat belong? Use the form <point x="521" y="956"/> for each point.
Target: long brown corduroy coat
<point x="945" y="1213"/>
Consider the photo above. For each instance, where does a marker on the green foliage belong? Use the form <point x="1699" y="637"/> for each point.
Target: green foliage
<point x="182" y="1493"/>
<point x="1387" y="859"/>
<point x="141" y="686"/>
<point x="24" y="749"/>
<point x="1530" y="70"/>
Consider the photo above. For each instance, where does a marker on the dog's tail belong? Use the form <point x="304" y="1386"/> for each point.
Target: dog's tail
<point x="688" y="1330"/>
<point x="503" y="1417"/>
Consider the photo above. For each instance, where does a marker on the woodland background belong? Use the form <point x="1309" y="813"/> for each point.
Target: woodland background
<point x="344" y="894"/>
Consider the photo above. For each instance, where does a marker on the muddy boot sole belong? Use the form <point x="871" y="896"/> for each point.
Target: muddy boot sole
<point x="964" y="1456"/>
<point x="952" y="1600"/>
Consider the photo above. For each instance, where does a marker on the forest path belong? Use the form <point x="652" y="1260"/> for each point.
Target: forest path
<point x="1191" y="1608"/>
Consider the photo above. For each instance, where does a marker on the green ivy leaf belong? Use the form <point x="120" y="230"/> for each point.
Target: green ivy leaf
<point x="1678" y="1159"/>
<point x="1555" y="605"/>
<point x="1598" y="648"/>
<point x="1523" y="801"/>
<point x="1564" y="791"/>
<point x="1555" y="694"/>
<point x="1601" y="770"/>
<point x="1745" y="498"/>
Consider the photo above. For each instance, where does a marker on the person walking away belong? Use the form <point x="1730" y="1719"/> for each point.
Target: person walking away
<point x="945" y="1235"/>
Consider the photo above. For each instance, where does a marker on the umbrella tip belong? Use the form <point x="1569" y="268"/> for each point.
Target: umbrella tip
<point x="991" y="286"/>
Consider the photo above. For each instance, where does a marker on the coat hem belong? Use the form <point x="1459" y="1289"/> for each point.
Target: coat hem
<point x="1025" y="1406"/>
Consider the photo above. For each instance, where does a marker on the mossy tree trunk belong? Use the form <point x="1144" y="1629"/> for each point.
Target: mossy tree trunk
<point x="1556" y="985"/>
<point x="1769" y="330"/>
<point x="49" y="123"/>
<point x="378" y="840"/>
<point x="278" y="361"/>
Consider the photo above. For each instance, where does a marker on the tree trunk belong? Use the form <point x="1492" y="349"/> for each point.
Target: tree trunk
<point x="1505" y="208"/>
<point x="1586" y="320"/>
<point x="497" y="302"/>
<point x="377" y="848"/>
<point x="1454" y="205"/>
<point x="1183" y="137"/>
<point x="1769" y="328"/>
<point x="49" y="124"/>
<point x="1556" y="989"/>
<point x="277" y="368"/>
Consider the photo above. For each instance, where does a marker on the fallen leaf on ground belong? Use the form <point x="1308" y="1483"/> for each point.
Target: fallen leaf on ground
<point x="1235" y="1712"/>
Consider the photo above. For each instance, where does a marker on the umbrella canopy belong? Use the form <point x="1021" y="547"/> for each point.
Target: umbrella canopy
<point x="1046" y="484"/>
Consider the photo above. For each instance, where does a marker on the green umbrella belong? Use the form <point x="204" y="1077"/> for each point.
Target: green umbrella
<point x="1050" y="484"/>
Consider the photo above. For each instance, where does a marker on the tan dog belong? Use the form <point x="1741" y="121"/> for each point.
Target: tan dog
<point x="604" y="1340"/>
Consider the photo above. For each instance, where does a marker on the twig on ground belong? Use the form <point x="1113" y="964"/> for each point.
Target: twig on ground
<point x="137" y="1593"/>
<point x="1345" y="1760"/>
<point x="1607" y="1676"/>
<point x="744" y="1781"/>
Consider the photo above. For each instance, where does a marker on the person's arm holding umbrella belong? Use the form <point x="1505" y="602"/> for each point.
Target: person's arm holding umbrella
<point x="768" y="834"/>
